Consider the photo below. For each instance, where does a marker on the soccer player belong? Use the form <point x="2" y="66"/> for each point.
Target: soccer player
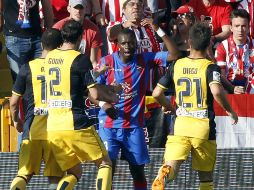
<point x="196" y="81"/>
<point x="30" y="85"/>
<point x="132" y="72"/>
<point x="71" y="134"/>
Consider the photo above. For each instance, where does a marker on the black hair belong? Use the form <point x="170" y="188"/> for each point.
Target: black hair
<point x="127" y="31"/>
<point x="71" y="31"/>
<point x="51" y="39"/>
<point x="200" y="36"/>
<point x="242" y="13"/>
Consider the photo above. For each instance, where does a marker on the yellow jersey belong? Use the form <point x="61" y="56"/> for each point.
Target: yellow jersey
<point x="191" y="79"/>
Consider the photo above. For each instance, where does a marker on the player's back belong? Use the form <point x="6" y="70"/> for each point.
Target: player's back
<point x="193" y="98"/>
<point x="65" y="72"/>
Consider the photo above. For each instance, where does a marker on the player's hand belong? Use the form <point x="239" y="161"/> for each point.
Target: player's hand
<point x="111" y="110"/>
<point x="239" y="90"/>
<point x="18" y="125"/>
<point x="234" y="117"/>
<point x="103" y="68"/>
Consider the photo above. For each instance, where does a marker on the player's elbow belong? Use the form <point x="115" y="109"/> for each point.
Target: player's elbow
<point x="94" y="93"/>
<point x="156" y="93"/>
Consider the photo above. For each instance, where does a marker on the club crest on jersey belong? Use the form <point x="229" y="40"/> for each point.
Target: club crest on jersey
<point x="216" y="76"/>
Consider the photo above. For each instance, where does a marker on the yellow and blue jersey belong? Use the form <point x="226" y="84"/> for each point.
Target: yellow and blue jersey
<point x="30" y="84"/>
<point x="68" y="75"/>
<point x="191" y="79"/>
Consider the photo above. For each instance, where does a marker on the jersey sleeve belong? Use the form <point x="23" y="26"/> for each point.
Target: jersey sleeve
<point x="156" y="59"/>
<point x="213" y="74"/>
<point x="166" y="82"/>
<point x="82" y="67"/>
<point x="19" y="86"/>
<point x="102" y="78"/>
<point x="220" y="56"/>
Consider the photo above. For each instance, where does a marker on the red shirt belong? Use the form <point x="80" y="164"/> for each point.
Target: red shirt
<point x="216" y="15"/>
<point x="60" y="9"/>
<point x="91" y="36"/>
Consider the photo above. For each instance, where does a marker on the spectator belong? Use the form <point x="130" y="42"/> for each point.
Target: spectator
<point x="216" y="13"/>
<point x="235" y="55"/>
<point x="196" y="82"/>
<point x="104" y="12"/>
<point x="133" y="14"/>
<point x="184" y="19"/>
<point x="91" y="39"/>
<point x="60" y="9"/>
<point x="23" y="44"/>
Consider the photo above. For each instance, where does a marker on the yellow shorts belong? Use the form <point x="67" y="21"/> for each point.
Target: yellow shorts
<point x="73" y="147"/>
<point x="203" y="151"/>
<point x="32" y="152"/>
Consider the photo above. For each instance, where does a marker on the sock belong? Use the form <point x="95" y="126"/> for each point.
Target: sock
<point x="170" y="174"/>
<point x="67" y="182"/>
<point x="138" y="185"/>
<point x="19" y="183"/>
<point x="104" y="178"/>
<point x="206" y="186"/>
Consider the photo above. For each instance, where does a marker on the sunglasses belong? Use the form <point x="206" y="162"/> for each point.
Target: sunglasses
<point x="132" y="4"/>
<point x="182" y="16"/>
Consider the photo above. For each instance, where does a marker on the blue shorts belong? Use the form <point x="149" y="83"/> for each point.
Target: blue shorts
<point x="131" y="142"/>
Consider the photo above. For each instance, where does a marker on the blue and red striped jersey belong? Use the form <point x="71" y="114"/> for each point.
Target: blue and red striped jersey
<point x="134" y="79"/>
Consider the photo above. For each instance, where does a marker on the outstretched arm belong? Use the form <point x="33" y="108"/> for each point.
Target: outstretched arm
<point x="220" y="97"/>
<point x="170" y="45"/>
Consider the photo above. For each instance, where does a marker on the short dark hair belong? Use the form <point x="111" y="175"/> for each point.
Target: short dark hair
<point x="51" y="39"/>
<point x="200" y="36"/>
<point x="71" y="31"/>
<point x="240" y="13"/>
<point x="127" y="31"/>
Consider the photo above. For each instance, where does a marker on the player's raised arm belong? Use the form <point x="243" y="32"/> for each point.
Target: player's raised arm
<point x="170" y="45"/>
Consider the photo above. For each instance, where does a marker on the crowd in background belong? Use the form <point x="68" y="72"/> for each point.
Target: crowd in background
<point x="158" y="26"/>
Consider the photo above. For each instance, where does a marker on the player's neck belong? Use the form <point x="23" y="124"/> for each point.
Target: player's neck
<point x="68" y="46"/>
<point x="44" y="53"/>
<point x="240" y="41"/>
<point x="195" y="54"/>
